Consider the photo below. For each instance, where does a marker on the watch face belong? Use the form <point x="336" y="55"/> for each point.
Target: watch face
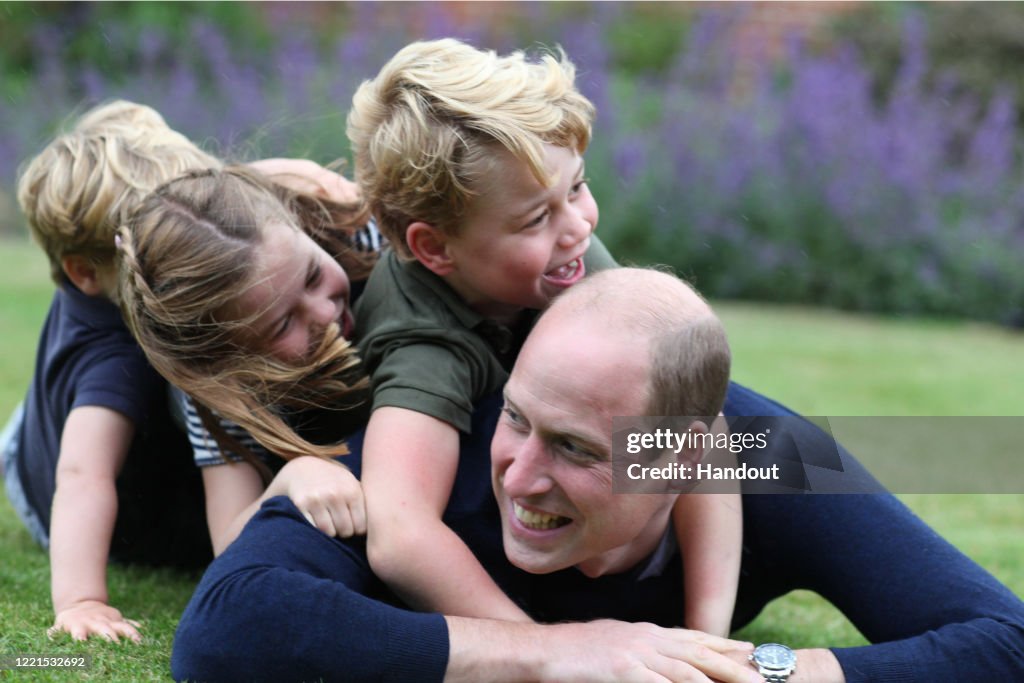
<point x="774" y="656"/>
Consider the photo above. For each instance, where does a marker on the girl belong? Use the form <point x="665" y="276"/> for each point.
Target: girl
<point x="238" y="290"/>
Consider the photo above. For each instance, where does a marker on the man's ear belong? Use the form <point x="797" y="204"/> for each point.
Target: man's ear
<point x="82" y="273"/>
<point x="693" y="451"/>
<point x="430" y="247"/>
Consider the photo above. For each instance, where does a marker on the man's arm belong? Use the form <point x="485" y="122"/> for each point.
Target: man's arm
<point x="287" y="603"/>
<point x="931" y="612"/>
<point x="325" y="491"/>
<point x="94" y="443"/>
<point x="817" y="666"/>
<point x="409" y="464"/>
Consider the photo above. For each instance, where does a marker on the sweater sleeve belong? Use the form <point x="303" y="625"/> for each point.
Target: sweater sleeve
<point x="287" y="603"/>
<point x="934" y="615"/>
<point x="929" y="611"/>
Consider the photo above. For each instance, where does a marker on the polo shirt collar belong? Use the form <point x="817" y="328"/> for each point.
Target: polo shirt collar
<point x="499" y="336"/>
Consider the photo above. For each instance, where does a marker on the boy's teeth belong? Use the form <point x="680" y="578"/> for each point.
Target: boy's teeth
<point x="565" y="272"/>
<point x="538" y="520"/>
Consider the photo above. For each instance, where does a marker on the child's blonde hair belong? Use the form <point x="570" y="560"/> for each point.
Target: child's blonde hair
<point x="188" y="253"/>
<point x="424" y="129"/>
<point x="82" y="186"/>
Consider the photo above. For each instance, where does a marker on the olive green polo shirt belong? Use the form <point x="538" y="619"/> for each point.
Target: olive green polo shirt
<point x="427" y="350"/>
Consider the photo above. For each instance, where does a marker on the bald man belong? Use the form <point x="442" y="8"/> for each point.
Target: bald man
<point x="285" y="602"/>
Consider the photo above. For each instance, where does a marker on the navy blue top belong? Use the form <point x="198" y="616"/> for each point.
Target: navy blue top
<point x="87" y="357"/>
<point x="285" y="602"/>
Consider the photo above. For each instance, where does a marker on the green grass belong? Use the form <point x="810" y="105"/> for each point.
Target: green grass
<point x="831" y="363"/>
<point x="818" y="362"/>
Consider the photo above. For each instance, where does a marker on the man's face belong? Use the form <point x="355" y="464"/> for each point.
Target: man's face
<point x="551" y="455"/>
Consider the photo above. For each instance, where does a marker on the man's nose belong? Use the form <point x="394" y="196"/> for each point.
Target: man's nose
<point x="528" y="474"/>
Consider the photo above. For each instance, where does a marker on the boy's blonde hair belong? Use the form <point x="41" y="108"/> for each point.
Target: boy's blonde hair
<point x="82" y="186"/>
<point x="188" y="253"/>
<point x="425" y="128"/>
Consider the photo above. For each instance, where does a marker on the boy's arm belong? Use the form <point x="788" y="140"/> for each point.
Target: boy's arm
<point x="709" y="527"/>
<point x="409" y="465"/>
<point x="303" y="175"/>
<point x="94" y="444"/>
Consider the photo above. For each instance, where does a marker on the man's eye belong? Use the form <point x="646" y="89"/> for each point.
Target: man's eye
<point x="512" y="415"/>
<point x="574" y="450"/>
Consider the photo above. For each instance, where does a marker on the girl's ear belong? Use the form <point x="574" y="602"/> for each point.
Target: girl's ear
<point x="82" y="273"/>
<point x="430" y="247"/>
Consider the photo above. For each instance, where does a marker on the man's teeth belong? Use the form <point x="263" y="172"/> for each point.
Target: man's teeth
<point x="538" y="520"/>
<point x="567" y="271"/>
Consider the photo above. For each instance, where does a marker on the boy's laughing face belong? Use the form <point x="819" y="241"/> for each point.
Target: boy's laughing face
<point x="522" y="243"/>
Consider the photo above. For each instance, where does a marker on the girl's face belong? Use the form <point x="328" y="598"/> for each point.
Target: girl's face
<point x="296" y="292"/>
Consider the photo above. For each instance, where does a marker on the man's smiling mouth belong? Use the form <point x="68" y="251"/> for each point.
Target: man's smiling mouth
<point x="538" y="520"/>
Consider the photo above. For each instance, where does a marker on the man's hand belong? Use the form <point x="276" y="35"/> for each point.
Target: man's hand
<point x="595" y="652"/>
<point x="94" y="618"/>
<point x="326" y="493"/>
<point x="617" y="651"/>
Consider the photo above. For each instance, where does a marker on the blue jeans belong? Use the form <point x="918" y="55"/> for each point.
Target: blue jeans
<point x="12" y="481"/>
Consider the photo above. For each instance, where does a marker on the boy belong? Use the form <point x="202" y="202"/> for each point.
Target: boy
<point x="472" y="165"/>
<point x="97" y="467"/>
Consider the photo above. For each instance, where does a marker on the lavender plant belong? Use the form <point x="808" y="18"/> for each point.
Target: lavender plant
<point x="786" y="182"/>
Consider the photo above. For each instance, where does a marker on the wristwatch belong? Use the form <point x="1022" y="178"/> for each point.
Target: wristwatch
<point x="773" y="661"/>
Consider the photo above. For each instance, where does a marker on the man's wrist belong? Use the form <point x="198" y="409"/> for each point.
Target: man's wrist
<point x="484" y="649"/>
<point x="817" y="665"/>
<point x="774" y="661"/>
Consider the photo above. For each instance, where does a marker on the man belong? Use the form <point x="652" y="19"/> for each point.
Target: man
<point x="286" y="602"/>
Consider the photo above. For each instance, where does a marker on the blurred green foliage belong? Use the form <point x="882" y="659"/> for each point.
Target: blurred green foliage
<point x="981" y="43"/>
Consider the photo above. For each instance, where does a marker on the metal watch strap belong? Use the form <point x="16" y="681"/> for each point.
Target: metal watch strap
<point x="776" y="678"/>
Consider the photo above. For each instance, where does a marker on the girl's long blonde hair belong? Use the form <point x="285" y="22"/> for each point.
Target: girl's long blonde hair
<point x="187" y="253"/>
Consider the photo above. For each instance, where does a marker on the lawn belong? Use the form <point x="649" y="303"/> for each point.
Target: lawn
<point x="818" y="362"/>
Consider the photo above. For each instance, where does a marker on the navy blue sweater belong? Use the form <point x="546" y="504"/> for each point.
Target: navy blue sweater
<point x="285" y="602"/>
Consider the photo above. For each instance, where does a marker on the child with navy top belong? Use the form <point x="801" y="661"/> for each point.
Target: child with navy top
<point x="95" y="465"/>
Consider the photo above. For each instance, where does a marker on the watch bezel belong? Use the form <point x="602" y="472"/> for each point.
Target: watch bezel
<point x="760" y="650"/>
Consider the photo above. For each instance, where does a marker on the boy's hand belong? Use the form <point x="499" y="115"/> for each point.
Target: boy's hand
<point x="94" y="618"/>
<point x="327" y="494"/>
<point x="310" y="177"/>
